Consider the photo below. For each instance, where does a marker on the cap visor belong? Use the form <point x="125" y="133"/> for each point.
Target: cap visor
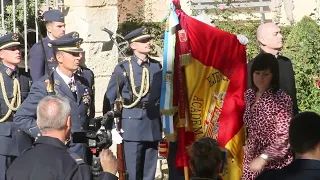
<point x="140" y="38"/>
<point x="74" y="50"/>
<point x="12" y="44"/>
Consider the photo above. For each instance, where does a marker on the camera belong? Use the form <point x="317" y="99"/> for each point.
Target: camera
<point x="97" y="137"/>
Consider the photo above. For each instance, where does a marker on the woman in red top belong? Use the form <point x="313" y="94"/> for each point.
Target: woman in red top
<point x="267" y="117"/>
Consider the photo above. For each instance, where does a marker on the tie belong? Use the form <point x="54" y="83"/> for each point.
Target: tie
<point x="73" y="88"/>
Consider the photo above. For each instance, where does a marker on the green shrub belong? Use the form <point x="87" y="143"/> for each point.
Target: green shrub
<point x="303" y="48"/>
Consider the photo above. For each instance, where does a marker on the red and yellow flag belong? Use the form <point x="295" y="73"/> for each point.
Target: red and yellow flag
<point x="215" y="83"/>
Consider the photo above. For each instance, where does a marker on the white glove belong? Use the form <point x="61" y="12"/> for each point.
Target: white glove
<point x="242" y="39"/>
<point x="116" y="137"/>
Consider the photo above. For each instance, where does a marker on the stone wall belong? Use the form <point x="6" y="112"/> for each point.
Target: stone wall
<point x="86" y="17"/>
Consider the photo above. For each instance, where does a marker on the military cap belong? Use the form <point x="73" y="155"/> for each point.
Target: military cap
<point x="67" y="44"/>
<point x="9" y="40"/>
<point x="73" y="34"/>
<point x="138" y="35"/>
<point x="53" y="15"/>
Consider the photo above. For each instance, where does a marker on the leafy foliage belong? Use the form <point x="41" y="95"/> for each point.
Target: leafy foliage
<point x="19" y="15"/>
<point x="303" y="48"/>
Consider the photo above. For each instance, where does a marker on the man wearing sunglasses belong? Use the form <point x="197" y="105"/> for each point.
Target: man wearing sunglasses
<point x="14" y="88"/>
<point x="138" y="80"/>
<point x="65" y="83"/>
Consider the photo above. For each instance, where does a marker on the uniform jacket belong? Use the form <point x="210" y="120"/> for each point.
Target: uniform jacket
<point x="13" y="141"/>
<point x="81" y="111"/>
<point x="299" y="169"/>
<point x="139" y="124"/>
<point x="52" y="162"/>
<point x="37" y="59"/>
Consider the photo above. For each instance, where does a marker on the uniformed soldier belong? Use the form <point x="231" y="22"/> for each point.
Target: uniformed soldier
<point x="49" y="158"/>
<point x="14" y="83"/>
<point x="54" y="21"/>
<point x="84" y="73"/>
<point x="65" y="83"/>
<point x="139" y="80"/>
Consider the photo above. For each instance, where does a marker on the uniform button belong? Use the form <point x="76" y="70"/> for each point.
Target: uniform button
<point x="81" y="128"/>
<point x="36" y="138"/>
<point x="38" y="134"/>
<point x="19" y="130"/>
<point x="129" y="117"/>
<point x="79" y="116"/>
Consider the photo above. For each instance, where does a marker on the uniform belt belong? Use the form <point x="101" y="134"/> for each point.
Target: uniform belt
<point x="141" y="104"/>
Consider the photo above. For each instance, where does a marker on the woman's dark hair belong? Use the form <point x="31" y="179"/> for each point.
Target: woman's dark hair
<point x="205" y="157"/>
<point x="266" y="61"/>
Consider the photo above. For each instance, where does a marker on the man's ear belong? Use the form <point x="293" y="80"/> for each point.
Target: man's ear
<point x="49" y="27"/>
<point x="59" y="56"/>
<point x="262" y="41"/>
<point x="38" y="124"/>
<point x="133" y="46"/>
<point x="1" y="54"/>
<point x="69" y="123"/>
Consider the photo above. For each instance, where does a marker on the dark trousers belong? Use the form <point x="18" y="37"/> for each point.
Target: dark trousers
<point x="174" y="173"/>
<point x="5" y="162"/>
<point x="141" y="159"/>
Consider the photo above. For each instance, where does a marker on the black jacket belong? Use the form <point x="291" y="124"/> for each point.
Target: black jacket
<point x="300" y="169"/>
<point x="50" y="160"/>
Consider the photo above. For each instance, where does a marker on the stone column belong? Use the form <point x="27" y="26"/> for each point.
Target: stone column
<point x="86" y="17"/>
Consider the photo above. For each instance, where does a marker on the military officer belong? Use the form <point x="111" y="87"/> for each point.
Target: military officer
<point x="54" y="21"/>
<point x="84" y="73"/>
<point x="66" y="83"/>
<point x="14" y="83"/>
<point x="138" y="78"/>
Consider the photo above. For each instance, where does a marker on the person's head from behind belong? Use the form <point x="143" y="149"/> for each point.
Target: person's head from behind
<point x="54" y="117"/>
<point x="270" y="38"/>
<point x="55" y="25"/>
<point x="205" y="158"/>
<point x="265" y="73"/>
<point x="304" y="135"/>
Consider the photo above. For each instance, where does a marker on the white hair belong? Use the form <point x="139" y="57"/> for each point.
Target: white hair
<point x="52" y="113"/>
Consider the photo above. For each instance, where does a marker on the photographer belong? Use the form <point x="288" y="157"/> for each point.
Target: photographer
<point x="49" y="158"/>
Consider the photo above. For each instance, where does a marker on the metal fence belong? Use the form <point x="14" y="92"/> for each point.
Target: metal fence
<point x="43" y="4"/>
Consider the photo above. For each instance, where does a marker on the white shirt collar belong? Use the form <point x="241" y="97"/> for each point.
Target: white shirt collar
<point x="65" y="78"/>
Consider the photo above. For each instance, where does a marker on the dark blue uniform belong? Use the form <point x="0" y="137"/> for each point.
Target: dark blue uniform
<point x="37" y="59"/>
<point x="49" y="159"/>
<point x="13" y="140"/>
<point x="80" y="109"/>
<point x="141" y="124"/>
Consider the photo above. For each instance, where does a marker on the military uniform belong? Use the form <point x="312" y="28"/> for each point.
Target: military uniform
<point x="80" y="100"/>
<point x="287" y="81"/>
<point x="37" y="54"/>
<point x="13" y="141"/>
<point x="141" y="123"/>
<point x="50" y="159"/>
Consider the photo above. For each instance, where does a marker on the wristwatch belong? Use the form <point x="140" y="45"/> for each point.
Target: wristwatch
<point x="264" y="156"/>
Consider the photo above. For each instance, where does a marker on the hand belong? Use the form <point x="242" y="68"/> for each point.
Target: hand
<point x="242" y="39"/>
<point x="258" y="164"/>
<point x="116" y="137"/>
<point x="108" y="161"/>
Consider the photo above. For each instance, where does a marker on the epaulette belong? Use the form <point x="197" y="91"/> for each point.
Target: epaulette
<point x="77" y="158"/>
<point x="24" y="151"/>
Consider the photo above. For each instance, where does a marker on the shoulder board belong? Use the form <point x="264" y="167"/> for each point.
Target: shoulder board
<point x="77" y="158"/>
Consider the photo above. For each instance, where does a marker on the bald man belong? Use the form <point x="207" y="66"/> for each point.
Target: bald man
<point x="271" y="41"/>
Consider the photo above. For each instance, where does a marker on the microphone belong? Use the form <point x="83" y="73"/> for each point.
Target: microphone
<point x="113" y="114"/>
<point x="106" y="30"/>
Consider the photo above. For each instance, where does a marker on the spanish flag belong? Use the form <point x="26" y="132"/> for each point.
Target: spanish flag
<point x="215" y="80"/>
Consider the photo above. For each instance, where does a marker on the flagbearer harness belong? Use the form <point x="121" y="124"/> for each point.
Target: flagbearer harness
<point x="145" y="84"/>
<point x="16" y="100"/>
